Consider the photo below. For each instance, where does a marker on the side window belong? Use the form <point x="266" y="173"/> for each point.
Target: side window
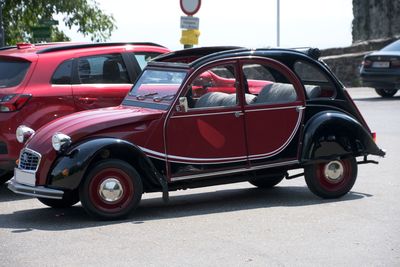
<point x="214" y="87"/>
<point x="143" y="57"/>
<point x="315" y="81"/>
<point x="102" y="69"/>
<point x="266" y="85"/>
<point x="62" y="75"/>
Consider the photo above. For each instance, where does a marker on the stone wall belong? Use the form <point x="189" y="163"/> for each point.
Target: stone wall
<point x="345" y="62"/>
<point x="375" y="19"/>
<point x="376" y="23"/>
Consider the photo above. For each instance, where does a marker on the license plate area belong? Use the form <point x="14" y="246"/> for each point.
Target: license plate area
<point x="381" y="64"/>
<point x="24" y="177"/>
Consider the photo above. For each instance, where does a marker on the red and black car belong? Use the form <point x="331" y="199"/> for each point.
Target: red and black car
<point x="202" y="117"/>
<point x="42" y="82"/>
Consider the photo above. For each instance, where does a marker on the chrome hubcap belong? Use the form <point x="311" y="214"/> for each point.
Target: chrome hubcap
<point x="334" y="171"/>
<point x="111" y="190"/>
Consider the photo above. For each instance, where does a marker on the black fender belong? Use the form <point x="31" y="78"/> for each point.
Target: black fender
<point x="68" y="170"/>
<point x="331" y="134"/>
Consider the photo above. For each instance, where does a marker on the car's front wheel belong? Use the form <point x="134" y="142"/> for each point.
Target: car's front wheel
<point x="331" y="179"/>
<point x="267" y="182"/>
<point x="386" y="92"/>
<point x="69" y="199"/>
<point x="111" y="190"/>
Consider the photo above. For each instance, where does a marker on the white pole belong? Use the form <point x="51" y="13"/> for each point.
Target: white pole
<point x="277" y="23"/>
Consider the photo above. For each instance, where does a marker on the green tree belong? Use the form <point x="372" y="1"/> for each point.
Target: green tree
<point x="19" y="16"/>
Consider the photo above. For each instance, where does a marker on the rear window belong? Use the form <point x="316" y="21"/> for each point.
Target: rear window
<point x="315" y="81"/>
<point x="392" y="47"/>
<point x="12" y="72"/>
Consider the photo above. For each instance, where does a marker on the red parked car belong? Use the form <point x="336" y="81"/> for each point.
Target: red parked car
<point x="40" y="83"/>
<point x="202" y="117"/>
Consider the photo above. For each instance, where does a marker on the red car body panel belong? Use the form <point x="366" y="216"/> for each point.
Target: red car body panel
<point x="133" y="124"/>
<point x="208" y="134"/>
<point x="51" y="101"/>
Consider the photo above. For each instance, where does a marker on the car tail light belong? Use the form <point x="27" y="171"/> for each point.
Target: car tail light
<point x="395" y="62"/>
<point x="374" y="136"/>
<point x="366" y="63"/>
<point x="10" y="103"/>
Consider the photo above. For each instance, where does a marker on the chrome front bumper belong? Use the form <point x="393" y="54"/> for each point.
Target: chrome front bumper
<point x="34" y="191"/>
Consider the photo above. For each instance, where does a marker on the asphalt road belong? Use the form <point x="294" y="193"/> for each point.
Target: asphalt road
<point x="230" y="225"/>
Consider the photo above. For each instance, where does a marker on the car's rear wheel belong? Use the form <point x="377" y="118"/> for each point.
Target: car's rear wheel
<point x="331" y="179"/>
<point x="111" y="190"/>
<point x="69" y="199"/>
<point x="386" y="92"/>
<point x="267" y="182"/>
<point x="5" y="176"/>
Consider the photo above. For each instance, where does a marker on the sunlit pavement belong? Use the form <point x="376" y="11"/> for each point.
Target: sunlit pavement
<point x="230" y="225"/>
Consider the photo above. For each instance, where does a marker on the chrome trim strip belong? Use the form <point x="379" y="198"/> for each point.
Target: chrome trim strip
<point x="154" y="153"/>
<point x="268" y="109"/>
<point x="209" y="162"/>
<point x="278" y="164"/>
<point x="179" y="159"/>
<point x="34" y="191"/>
<point x="195" y="176"/>
<point x="207" y="159"/>
<point x="204" y="114"/>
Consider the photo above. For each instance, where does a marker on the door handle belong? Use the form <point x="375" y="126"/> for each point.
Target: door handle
<point x="300" y="108"/>
<point x="238" y="114"/>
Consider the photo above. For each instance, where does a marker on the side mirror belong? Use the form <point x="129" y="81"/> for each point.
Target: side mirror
<point x="182" y="105"/>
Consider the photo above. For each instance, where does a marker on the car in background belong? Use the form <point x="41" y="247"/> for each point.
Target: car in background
<point x="42" y="82"/>
<point x="202" y="117"/>
<point x="381" y="70"/>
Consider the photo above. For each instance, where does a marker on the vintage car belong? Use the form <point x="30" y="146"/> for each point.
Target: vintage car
<point x="201" y="117"/>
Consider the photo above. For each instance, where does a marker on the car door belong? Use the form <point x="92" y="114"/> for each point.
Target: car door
<point x="274" y="111"/>
<point x="102" y="81"/>
<point x="208" y="137"/>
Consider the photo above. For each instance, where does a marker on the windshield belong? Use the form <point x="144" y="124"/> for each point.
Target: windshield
<point x="12" y="72"/>
<point x="157" y="86"/>
<point x="395" y="46"/>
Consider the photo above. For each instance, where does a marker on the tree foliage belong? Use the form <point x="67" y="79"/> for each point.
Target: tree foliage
<point x="19" y="16"/>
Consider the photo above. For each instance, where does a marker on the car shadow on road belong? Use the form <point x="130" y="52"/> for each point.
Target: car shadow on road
<point x="8" y="195"/>
<point x="204" y="203"/>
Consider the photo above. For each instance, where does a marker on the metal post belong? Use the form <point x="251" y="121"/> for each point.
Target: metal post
<point x="1" y="24"/>
<point x="278" y="23"/>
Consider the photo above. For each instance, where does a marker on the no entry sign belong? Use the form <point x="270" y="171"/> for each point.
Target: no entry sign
<point x="190" y="7"/>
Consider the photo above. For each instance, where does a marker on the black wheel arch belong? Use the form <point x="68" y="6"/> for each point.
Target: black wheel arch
<point x="330" y="134"/>
<point x="69" y="170"/>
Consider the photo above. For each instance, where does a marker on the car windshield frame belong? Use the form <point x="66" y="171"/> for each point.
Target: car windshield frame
<point x="156" y="88"/>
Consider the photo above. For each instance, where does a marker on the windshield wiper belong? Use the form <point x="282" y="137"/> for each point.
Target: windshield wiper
<point x="159" y="99"/>
<point x="143" y="97"/>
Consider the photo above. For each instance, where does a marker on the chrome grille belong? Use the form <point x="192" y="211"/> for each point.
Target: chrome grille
<point x="29" y="160"/>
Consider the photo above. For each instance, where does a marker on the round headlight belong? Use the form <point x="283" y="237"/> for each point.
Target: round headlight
<point x="60" y="141"/>
<point x="23" y="133"/>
